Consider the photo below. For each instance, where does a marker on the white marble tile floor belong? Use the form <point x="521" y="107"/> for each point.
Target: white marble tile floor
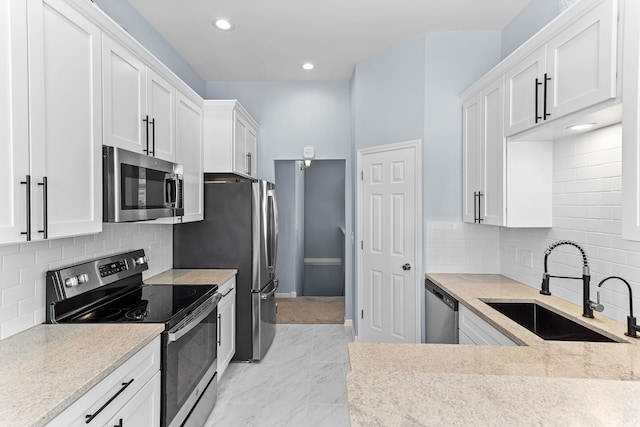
<point x="299" y="383"/>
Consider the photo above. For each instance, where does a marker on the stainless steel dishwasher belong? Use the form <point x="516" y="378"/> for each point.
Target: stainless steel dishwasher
<point x="441" y="315"/>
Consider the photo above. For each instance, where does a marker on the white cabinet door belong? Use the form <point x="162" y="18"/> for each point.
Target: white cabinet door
<point x="581" y="61"/>
<point x="492" y="203"/>
<point x="14" y="120"/>
<point x="251" y="149"/>
<point x="124" y="85"/>
<point x="475" y="330"/>
<point x="471" y="146"/>
<point x="160" y="109"/>
<point x="227" y="329"/>
<point x="631" y="124"/>
<point x="66" y="120"/>
<point x="525" y="92"/>
<point x="190" y="149"/>
<point x="239" y="145"/>
<point x="143" y="410"/>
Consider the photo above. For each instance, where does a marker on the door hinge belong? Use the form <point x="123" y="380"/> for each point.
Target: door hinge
<point x="362" y="314"/>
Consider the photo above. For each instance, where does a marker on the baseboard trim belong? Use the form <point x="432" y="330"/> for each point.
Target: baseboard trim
<point x="348" y="323"/>
<point x="286" y="295"/>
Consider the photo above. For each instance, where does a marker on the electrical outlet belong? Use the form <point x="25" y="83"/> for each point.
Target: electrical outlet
<point x="525" y="258"/>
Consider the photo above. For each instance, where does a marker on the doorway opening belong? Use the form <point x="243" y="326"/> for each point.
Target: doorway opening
<point x="311" y="223"/>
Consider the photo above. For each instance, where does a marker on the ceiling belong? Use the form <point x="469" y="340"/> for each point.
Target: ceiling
<point x="271" y="39"/>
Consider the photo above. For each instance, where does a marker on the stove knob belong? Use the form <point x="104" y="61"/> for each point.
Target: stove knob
<point x="71" y="282"/>
<point x="141" y="260"/>
<point x="83" y="278"/>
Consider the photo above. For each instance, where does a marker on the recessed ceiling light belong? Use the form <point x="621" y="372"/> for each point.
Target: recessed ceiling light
<point x="308" y="66"/>
<point x="582" y="126"/>
<point x="223" y="24"/>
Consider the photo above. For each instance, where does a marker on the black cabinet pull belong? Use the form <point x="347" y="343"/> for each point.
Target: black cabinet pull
<point x="249" y="163"/>
<point x="480" y="207"/>
<point x="546" y="80"/>
<point x="45" y="212"/>
<point x="90" y="418"/>
<point x="146" y="121"/>
<point x="538" y="83"/>
<point x="27" y="182"/>
<point x="119" y="424"/>
<point x="153" y="137"/>
<point x="219" y="329"/>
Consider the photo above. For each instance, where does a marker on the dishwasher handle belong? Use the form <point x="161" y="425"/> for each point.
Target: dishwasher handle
<point x="441" y="295"/>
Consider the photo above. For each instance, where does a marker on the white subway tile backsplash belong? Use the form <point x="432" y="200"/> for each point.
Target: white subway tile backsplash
<point x="22" y="284"/>
<point x="586" y="210"/>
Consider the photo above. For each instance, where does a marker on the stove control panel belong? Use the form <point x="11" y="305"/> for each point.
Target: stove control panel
<point x="113" y="268"/>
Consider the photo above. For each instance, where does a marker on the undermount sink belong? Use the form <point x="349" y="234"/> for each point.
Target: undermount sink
<point x="547" y="324"/>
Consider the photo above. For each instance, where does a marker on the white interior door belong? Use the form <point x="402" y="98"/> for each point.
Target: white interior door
<point x="389" y="218"/>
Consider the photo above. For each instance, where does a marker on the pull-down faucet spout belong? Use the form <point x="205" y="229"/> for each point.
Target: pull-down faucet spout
<point x="587" y="305"/>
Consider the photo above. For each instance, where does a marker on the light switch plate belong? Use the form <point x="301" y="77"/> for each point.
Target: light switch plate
<point x="308" y="152"/>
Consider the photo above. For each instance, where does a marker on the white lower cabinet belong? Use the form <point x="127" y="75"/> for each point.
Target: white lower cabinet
<point x="474" y="330"/>
<point x="226" y="325"/>
<point x="131" y="393"/>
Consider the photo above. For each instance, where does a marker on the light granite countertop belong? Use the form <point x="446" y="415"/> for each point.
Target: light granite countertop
<point x="192" y="277"/>
<point x="45" y="369"/>
<point x="538" y="383"/>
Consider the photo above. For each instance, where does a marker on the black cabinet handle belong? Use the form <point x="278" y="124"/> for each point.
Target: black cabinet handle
<point x="27" y="182"/>
<point x="45" y="212"/>
<point x="480" y="207"/>
<point x="249" y="163"/>
<point x="120" y="424"/>
<point x="546" y="80"/>
<point x="146" y="121"/>
<point x="538" y="83"/>
<point x="219" y="329"/>
<point x="153" y="137"/>
<point x="475" y="207"/>
<point x="90" y="418"/>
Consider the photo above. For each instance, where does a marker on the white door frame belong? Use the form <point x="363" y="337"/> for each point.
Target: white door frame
<point x="417" y="145"/>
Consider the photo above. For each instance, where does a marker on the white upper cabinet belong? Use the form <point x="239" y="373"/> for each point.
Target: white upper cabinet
<point x="160" y="109"/>
<point x="484" y="150"/>
<point x="14" y="121"/>
<point x="139" y="105"/>
<point x="631" y="124"/>
<point x="66" y="120"/>
<point x="524" y="95"/>
<point x="574" y="69"/>
<point x="190" y="148"/>
<point x="230" y="139"/>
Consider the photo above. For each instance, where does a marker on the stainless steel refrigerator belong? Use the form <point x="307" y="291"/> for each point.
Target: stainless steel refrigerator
<point x="239" y="231"/>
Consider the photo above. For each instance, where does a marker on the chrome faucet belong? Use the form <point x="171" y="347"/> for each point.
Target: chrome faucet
<point x="632" y="327"/>
<point x="587" y="305"/>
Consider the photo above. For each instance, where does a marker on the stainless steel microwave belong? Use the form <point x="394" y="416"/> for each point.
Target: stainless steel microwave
<point x="137" y="187"/>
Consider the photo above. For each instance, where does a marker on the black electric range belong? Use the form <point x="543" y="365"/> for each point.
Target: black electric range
<point x="111" y="290"/>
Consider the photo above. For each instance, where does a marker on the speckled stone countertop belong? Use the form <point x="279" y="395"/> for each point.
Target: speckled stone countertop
<point x="46" y="368"/>
<point x="192" y="277"/>
<point x="539" y="383"/>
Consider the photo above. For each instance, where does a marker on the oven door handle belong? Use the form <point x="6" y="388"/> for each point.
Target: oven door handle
<point x="177" y="334"/>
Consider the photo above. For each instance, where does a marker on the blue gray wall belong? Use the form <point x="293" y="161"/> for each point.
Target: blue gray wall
<point x="324" y="215"/>
<point x="453" y="62"/>
<point x="536" y="15"/>
<point x="122" y="12"/>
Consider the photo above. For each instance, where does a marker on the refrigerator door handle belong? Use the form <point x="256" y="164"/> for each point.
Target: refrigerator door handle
<point x="276" y="283"/>
<point x="273" y="230"/>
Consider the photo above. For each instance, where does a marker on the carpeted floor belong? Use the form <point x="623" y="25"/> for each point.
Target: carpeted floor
<point x="311" y="310"/>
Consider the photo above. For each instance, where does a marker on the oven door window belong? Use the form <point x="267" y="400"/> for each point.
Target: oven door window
<point x="142" y="188"/>
<point x="187" y="360"/>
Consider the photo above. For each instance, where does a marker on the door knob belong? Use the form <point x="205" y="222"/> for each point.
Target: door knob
<point x="406" y="267"/>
